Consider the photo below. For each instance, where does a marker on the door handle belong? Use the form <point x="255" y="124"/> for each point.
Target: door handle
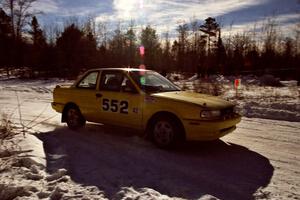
<point x="98" y="95"/>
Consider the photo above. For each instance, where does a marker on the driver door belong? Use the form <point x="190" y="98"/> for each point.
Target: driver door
<point x="121" y="103"/>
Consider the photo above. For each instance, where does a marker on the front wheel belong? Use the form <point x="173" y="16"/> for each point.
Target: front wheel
<point x="165" y="132"/>
<point x="74" y="118"/>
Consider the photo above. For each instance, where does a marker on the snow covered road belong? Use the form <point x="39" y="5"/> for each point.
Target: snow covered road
<point x="259" y="160"/>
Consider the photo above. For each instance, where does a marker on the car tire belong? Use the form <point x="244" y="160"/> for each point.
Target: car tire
<point x="165" y="132"/>
<point x="74" y="118"/>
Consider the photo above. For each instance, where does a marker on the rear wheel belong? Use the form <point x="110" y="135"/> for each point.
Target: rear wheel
<point x="74" y="118"/>
<point x="165" y="132"/>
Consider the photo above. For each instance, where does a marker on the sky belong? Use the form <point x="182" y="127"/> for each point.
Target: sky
<point x="166" y="15"/>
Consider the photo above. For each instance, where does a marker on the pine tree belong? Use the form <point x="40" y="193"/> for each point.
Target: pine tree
<point x="210" y="27"/>
<point x="70" y="50"/>
<point x="6" y="41"/>
<point x="37" y="34"/>
<point x="149" y="40"/>
<point x="131" y="47"/>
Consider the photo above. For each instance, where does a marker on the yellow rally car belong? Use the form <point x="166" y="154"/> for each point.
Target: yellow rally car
<point x="144" y="100"/>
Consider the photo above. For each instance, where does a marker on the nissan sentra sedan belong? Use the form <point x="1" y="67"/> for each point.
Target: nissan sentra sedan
<point x="144" y="100"/>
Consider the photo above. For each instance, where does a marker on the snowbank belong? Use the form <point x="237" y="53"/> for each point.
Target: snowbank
<point x="23" y="174"/>
<point x="33" y="150"/>
<point x="253" y="98"/>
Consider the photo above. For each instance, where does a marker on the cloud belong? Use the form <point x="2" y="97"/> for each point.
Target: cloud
<point x="166" y="15"/>
<point x="46" y="6"/>
<point x="79" y="8"/>
<point x="285" y="24"/>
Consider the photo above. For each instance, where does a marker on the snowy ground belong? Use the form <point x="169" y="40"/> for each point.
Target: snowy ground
<point x="252" y="100"/>
<point x="260" y="160"/>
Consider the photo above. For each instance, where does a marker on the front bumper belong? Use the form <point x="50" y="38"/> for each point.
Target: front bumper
<point x="58" y="107"/>
<point x="209" y="130"/>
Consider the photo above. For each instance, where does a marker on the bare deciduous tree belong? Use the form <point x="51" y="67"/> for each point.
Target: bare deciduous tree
<point x="20" y="13"/>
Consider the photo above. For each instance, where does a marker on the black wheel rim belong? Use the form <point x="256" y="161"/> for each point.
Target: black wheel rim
<point x="73" y="117"/>
<point x="163" y="133"/>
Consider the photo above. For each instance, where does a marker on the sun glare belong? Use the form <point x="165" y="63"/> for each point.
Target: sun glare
<point x="126" y="9"/>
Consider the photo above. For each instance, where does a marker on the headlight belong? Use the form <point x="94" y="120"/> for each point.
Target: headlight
<point x="210" y="113"/>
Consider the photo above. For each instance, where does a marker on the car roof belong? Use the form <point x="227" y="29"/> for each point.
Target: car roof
<point x="119" y="69"/>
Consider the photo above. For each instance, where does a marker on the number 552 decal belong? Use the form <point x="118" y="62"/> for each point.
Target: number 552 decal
<point x="115" y="106"/>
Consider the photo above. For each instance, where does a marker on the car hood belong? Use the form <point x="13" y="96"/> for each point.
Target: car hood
<point x="202" y="100"/>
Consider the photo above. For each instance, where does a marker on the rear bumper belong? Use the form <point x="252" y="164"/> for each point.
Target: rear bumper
<point x="209" y="130"/>
<point x="58" y="107"/>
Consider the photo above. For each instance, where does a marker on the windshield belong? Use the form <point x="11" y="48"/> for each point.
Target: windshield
<point x="152" y="82"/>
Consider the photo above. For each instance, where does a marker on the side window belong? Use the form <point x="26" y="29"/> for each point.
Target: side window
<point x="127" y="86"/>
<point x="89" y="81"/>
<point x="111" y="81"/>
